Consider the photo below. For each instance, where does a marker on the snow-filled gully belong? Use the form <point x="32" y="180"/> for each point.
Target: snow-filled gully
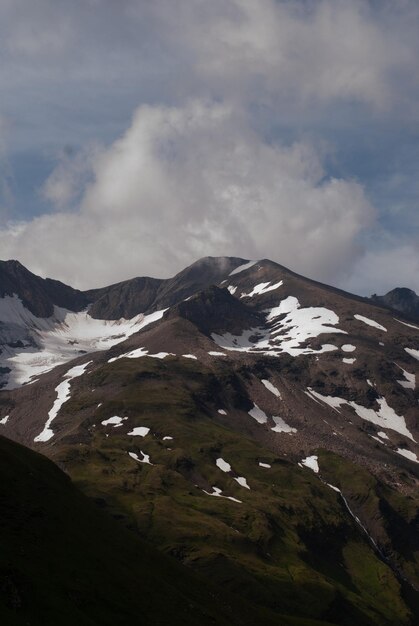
<point x="63" y="394"/>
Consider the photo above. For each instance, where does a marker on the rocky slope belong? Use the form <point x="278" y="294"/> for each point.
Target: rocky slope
<point x="260" y="427"/>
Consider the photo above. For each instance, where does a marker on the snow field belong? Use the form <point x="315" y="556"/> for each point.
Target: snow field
<point x="55" y="340"/>
<point x="287" y="334"/>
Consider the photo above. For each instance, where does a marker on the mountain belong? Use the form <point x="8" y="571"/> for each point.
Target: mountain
<point x="258" y="426"/>
<point x="38" y="295"/>
<point x="401" y="299"/>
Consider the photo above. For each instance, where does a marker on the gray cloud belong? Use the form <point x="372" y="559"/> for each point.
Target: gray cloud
<point x="382" y="269"/>
<point x="203" y="168"/>
<point x="194" y="180"/>
<point x="73" y="59"/>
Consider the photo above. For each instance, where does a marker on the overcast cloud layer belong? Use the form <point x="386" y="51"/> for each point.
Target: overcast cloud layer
<point x="137" y="136"/>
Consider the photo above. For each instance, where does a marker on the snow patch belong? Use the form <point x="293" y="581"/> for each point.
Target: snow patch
<point x="262" y="288"/>
<point x="258" y="414"/>
<point x="223" y="465"/>
<point x="242" y="482"/>
<point x="406" y="324"/>
<point x="134" y="354"/>
<point x="140" y="352"/>
<point x="348" y="361"/>
<point x="145" y="459"/>
<point x="139" y="431"/>
<point x="213" y="353"/>
<point x="270" y="387"/>
<point x="312" y="463"/>
<point x="217" y="492"/>
<point x="190" y="356"/>
<point x="413" y="353"/>
<point x="408" y="454"/>
<point x="281" y="426"/>
<point x="3" y="421"/>
<point x="63" y="394"/>
<point x="222" y="412"/>
<point x="348" y="347"/>
<point x="265" y="465"/>
<point x="167" y="438"/>
<point x="334" y="488"/>
<point x="377" y="439"/>
<point x="243" y="267"/>
<point x="385" y="417"/>
<point x="410" y="379"/>
<point x="232" y="289"/>
<point x="333" y="402"/>
<point x="114" y="421"/>
<point x="370" y="322"/>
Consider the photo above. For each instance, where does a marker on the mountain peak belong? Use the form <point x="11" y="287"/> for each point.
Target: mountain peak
<point x="401" y="299"/>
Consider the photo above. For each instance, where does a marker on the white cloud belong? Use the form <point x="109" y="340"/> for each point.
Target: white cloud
<point x="71" y="174"/>
<point x="189" y="181"/>
<point x="380" y="270"/>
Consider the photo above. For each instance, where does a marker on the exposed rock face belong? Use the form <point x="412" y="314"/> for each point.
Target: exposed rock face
<point x="37" y="294"/>
<point x="125" y="299"/>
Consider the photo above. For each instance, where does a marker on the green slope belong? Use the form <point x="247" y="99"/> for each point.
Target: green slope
<point x="63" y="561"/>
<point x="290" y="545"/>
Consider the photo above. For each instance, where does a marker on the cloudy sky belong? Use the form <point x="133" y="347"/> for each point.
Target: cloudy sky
<point x="139" y="135"/>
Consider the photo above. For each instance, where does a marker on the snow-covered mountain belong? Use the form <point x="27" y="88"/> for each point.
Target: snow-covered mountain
<point x="44" y="323"/>
<point x="259" y="426"/>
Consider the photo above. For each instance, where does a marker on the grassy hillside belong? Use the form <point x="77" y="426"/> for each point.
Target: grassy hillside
<point x="289" y="545"/>
<point x="63" y="561"/>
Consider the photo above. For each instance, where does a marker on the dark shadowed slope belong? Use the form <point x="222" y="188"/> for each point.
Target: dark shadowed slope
<point x="64" y="561"/>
